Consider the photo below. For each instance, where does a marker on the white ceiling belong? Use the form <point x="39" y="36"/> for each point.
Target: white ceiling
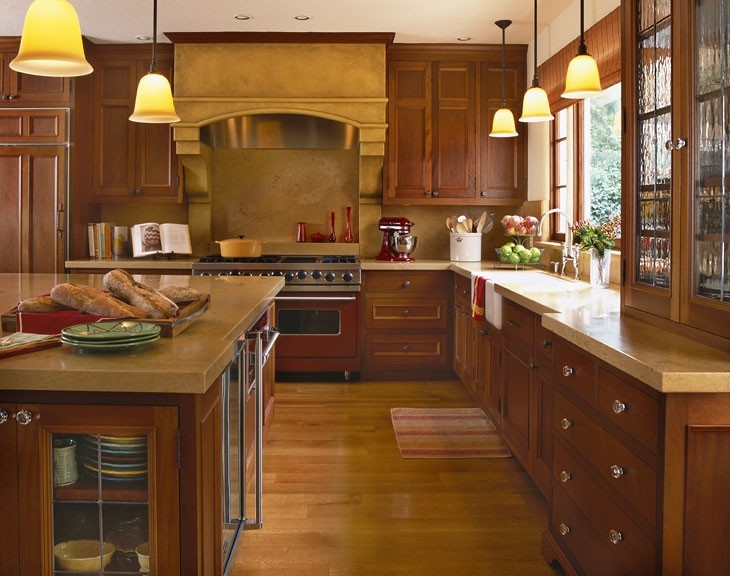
<point x="425" y="21"/>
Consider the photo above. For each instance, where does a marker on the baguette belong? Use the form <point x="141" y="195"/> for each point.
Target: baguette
<point x="40" y="304"/>
<point x="154" y="305"/>
<point x="93" y="301"/>
<point x="180" y="293"/>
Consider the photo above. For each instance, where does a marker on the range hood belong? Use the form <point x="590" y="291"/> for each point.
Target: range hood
<point x="280" y="131"/>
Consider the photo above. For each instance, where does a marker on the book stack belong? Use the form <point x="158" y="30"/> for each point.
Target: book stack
<point x="107" y="240"/>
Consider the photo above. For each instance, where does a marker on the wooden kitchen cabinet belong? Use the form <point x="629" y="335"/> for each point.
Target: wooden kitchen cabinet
<point x="23" y="90"/>
<point x="477" y="352"/>
<point x="676" y="195"/>
<point x="55" y="496"/>
<point x="607" y="469"/>
<point x="440" y="109"/>
<point x="131" y="161"/>
<point x="527" y="394"/>
<point x="407" y="324"/>
<point x="33" y="197"/>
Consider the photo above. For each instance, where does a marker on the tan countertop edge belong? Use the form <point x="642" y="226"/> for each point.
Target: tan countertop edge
<point x="591" y="319"/>
<point x="186" y="364"/>
<point x="132" y="264"/>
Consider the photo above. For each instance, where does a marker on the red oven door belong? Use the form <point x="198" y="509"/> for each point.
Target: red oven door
<point x="318" y="332"/>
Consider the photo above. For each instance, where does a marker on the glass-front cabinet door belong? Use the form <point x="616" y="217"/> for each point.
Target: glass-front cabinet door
<point x="708" y="286"/>
<point x="677" y="162"/>
<point x="98" y="489"/>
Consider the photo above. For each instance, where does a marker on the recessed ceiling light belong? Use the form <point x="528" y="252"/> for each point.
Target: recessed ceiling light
<point x="301" y="17"/>
<point x="243" y="17"/>
<point x="143" y="38"/>
<point x="464" y="38"/>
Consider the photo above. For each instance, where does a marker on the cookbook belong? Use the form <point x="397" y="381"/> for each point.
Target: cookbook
<point x="151" y="238"/>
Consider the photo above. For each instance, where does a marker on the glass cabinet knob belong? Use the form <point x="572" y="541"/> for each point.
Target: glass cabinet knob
<point x="24" y="417"/>
<point x="3" y="415"/>
<point x="676" y="144"/>
<point x="567" y="371"/>
<point x="617" y="471"/>
<point x="564" y="529"/>
<point x="617" y="406"/>
<point x="565" y="423"/>
<point x="565" y="476"/>
<point x="615" y="536"/>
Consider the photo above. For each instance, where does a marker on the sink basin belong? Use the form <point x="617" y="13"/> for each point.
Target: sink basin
<point x="527" y="283"/>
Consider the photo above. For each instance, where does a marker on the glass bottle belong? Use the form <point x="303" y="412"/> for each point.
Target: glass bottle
<point x="348" y="225"/>
<point x="333" y="236"/>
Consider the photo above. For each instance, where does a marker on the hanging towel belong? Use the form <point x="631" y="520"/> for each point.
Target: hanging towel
<point x="478" y="284"/>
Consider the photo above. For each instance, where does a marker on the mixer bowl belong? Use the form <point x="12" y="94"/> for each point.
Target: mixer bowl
<point x="403" y="244"/>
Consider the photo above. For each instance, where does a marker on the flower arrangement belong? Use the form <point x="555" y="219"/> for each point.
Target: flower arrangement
<point x="600" y="238"/>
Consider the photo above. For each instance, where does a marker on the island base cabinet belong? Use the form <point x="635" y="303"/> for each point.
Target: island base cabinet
<point x="89" y="472"/>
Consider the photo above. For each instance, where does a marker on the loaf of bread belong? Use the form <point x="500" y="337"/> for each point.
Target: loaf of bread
<point x="93" y="301"/>
<point x="180" y="293"/>
<point x="41" y="304"/>
<point x="153" y="304"/>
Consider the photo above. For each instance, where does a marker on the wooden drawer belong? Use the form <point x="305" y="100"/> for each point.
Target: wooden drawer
<point x="416" y="350"/>
<point x="634" y="547"/>
<point x="630" y="408"/>
<point x="462" y="291"/>
<point x="400" y="283"/>
<point x="574" y="371"/>
<point x="620" y="468"/>
<point x="544" y="342"/>
<point x="573" y="530"/>
<point x="422" y="313"/>
<point x="517" y="326"/>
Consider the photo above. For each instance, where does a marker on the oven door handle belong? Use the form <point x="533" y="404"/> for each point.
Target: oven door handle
<point x="270" y="341"/>
<point x="315" y="298"/>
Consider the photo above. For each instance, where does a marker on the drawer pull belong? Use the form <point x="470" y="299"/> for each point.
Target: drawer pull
<point x="3" y="415"/>
<point x="405" y="348"/>
<point x="567" y="371"/>
<point x="24" y="417"/>
<point x="406" y="283"/>
<point x="483" y="332"/>
<point x="565" y="476"/>
<point x="617" y="471"/>
<point x="513" y="322"/>
<point x="618" y="407"/>
<point x="565" y="423"/>
<point x="547" y="344"/>
<point x="615" y="536"/>
<point x="406" y="312"/>
<point x="564" y="529"/>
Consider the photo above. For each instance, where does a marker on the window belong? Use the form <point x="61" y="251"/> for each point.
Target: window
<point x="586" y="160"/>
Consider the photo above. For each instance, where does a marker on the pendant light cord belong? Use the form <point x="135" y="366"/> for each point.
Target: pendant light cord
<point x="582" y="50"/>
<point x="503" y="25"/>
<point x="535" y="82"/>
<point x="153" y="64"/>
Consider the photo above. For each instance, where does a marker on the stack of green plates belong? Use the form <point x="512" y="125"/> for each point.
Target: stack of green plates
<point x="110" y="336"/>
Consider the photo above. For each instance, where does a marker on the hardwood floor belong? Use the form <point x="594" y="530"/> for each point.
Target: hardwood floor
<point x="340" y="501"/>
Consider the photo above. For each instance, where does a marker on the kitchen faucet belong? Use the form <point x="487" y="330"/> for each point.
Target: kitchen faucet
<point x="569" y="253"/>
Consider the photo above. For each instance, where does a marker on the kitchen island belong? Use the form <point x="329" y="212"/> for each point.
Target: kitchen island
<point x="164" y="397"/>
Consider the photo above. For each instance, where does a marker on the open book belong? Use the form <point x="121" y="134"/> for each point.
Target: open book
<point x="151" y="238"/>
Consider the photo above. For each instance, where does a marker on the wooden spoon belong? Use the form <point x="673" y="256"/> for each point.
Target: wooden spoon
<point x="482" y="220"/>
<point x="450" y="223"/>
<point x="469" y="223"/>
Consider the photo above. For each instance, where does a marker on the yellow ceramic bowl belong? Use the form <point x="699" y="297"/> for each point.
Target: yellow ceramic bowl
<point x="83" y="555"/>
<point x="143" y="556"/>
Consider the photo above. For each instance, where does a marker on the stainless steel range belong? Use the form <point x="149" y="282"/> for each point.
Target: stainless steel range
<point x="301" y="273"/>
<point x="317" y="312"/>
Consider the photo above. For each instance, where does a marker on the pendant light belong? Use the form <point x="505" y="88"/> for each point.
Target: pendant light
<point x="51" y="43"/>
<point x="535" y="104"/>
<point x="503" y="123"/>
<point x="582" y="80"/>
<point x="154" y="104"/>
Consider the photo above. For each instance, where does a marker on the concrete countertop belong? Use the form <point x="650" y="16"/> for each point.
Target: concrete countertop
<point x="188" y="363"/>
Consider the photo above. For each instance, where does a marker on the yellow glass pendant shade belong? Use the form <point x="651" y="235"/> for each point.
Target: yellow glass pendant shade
<point x="535" y="106"/>
<point x="153" y="103"/>
<point x="51" y="43"/>
<point x="582" y="79"/>
<point x="503" y="124"/>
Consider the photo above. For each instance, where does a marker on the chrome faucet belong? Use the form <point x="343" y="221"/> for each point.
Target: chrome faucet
<point x="569" y="252"/>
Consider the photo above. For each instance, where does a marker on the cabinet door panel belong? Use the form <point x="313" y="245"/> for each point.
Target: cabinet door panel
<point x="516" y="405"/>
<point x="9" y="481"/>
<point x="11" y="167"/>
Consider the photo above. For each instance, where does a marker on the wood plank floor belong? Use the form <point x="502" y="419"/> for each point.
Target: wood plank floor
<point x="340" y="501"/>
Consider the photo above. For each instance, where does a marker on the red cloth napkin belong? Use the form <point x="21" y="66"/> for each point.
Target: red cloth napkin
<point x="478" y="284"/>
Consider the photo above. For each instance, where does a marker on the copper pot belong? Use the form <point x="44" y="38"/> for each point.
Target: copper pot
<point x="240" y="248"/>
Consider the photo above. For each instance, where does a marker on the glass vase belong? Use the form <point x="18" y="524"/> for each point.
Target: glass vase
<point x="600" y="268"/>
<point x="348" y="225"/>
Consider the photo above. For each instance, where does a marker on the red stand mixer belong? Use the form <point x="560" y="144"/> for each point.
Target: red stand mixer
<point x="398" y="243"/>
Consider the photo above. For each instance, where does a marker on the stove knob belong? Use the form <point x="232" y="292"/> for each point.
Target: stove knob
<point x="278" y="273"/>
<point x="222" y="273"/>
<point x="289" y="276"/>
<point x="330" y="277"/>
<point x="265" y="274"/>
<point x="347" y="276"/>
<point x="234" y="273"/>
<point x="301" y="274"/>
<point x="316" y="274"/>
<point x="247" y="274"/>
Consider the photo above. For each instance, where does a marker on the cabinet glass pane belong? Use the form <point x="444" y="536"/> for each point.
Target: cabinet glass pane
<point x="711" y="263"/>
<point x="653" y="205"/>
<point x="100" y="509"/>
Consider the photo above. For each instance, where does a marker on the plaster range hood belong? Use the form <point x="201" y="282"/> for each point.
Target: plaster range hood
<point x="280" y="132"/>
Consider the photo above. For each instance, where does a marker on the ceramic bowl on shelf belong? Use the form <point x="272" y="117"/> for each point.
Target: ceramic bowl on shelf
<point x="143" y="557"/>
<point x="83" y="555"/>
